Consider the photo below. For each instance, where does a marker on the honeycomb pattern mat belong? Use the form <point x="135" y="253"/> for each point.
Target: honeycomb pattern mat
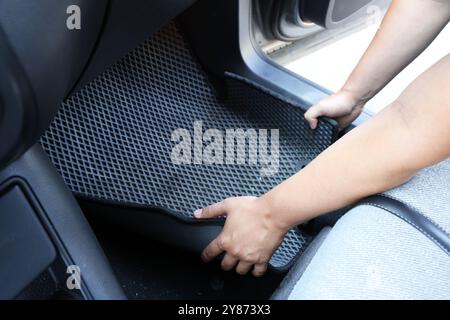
<point x="112" y="141"/>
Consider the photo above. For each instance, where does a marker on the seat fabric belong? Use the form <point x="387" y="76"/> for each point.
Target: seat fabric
<point x="372" y="254"/>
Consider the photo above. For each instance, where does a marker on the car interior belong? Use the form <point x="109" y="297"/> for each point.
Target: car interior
<point x="87" y="185"/>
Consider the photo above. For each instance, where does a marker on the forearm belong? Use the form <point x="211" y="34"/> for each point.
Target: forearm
<point x="412" y="133"/>
<point x="402" y="36"/>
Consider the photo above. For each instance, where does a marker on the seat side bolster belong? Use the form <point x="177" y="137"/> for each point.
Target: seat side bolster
<point x="412" y="216"/>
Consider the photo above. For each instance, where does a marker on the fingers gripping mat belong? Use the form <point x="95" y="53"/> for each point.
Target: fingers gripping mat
<point x="114" y="140"/>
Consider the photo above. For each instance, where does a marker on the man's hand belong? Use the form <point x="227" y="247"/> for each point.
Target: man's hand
<point x="249" y="237"/>
<point x="342" y="106"/>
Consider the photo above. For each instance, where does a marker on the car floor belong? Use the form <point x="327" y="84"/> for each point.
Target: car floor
<point x="147" y="269"/>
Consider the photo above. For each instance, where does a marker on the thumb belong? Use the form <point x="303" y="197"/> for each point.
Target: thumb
<point x="313" y="114"/>
<point x="212" y="211"/>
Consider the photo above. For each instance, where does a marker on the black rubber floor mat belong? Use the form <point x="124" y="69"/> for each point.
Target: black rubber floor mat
<point x="112" y="141"/>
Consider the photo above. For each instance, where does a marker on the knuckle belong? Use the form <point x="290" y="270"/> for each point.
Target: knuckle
<point x="319" y="106"/>
<point x="227" y="202"/>
<point x="263" y="259"/>
<point x="235" y="252"/>
<point x="310" y="113"/>
<point x="220" y="206"/>
<point x="206" y="211"/>
<point x="251" y="258"/>
<point x="206" y="253"/>
<point x="223" y="242"/>
<point x="347" y="109"/>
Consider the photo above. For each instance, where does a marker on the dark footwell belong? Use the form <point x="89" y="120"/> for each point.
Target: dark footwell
<point x="147" y="269"/>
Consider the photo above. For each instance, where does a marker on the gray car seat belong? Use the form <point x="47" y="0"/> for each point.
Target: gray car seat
<point x="376" y="252"/>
